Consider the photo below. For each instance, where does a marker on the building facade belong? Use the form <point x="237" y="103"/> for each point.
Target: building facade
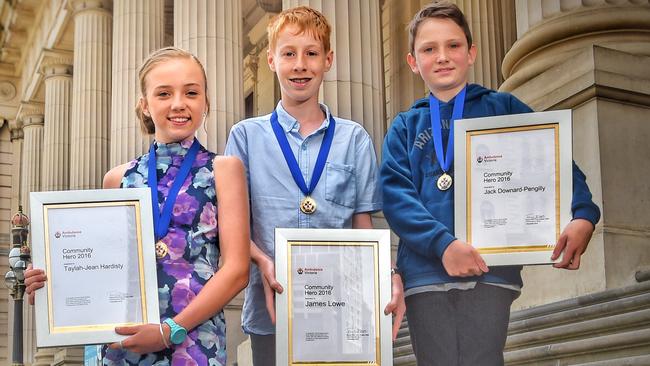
<point x="68" y="88"/>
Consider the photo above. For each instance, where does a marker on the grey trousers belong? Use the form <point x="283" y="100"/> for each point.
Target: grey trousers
<point x="460" y="327"/>
<point x="263" y="347"/>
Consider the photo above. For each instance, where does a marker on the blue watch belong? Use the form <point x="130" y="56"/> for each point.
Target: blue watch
<point x="178" y="333"/>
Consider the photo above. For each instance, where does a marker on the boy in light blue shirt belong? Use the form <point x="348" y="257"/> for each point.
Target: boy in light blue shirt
<point x="294" y="180"/>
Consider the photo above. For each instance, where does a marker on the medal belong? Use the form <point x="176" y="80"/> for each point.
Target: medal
<point x="445" y="181"/>
<point x="308" y="205"/>
<point x="161" y="249"/>
<point x="162" y="219"/>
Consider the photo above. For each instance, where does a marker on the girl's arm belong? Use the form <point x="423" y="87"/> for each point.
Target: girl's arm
<point x="234" y="241"/>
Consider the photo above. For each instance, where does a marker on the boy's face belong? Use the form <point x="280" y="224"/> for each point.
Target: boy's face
<point x="299" y="61"/>
<point x="441" y="56"/>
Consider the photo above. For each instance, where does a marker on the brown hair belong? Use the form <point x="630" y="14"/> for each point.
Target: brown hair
<point x="306" y="19"/>
<point x="441" y="10"/>
<point x="155" y="58"/>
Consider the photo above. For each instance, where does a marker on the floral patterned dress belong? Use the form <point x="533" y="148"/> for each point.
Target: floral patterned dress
<point x="193" y="256"/>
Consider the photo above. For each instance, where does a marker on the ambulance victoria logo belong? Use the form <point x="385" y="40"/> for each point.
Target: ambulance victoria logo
<point x="300" y="271"/>
<point x="57" y="234"/>
<point x="479" y="159"/>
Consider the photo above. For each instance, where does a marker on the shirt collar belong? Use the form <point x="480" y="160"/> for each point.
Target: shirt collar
<point x="289" y="123"/>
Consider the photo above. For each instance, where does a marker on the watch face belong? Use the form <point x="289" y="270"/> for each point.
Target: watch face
<point x="178" y="335"/>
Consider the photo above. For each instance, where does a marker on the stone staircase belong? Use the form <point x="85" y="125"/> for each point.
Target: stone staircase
<point x="609" y="328"/>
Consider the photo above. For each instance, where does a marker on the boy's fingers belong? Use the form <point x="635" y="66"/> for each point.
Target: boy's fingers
<point x="575" y="262"/>
<point x="275" y="285"/>
<point x="270" y="307"/>
<point x="480" y="262"/>
<point x="269" y="297"/>
<point x="561" y="243"/>
<point x="390" y="307"/>
<point x="566" y="259"/>
<point x="397" y="323"/>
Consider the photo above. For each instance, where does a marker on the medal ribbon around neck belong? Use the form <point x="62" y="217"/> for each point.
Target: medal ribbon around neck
<point x="162" y="219"/>
<point x="292" y="163"/>
<point x="436" y="128"/>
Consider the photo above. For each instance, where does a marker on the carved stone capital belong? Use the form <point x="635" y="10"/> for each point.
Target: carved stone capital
<point x="31" y="114"/>
<point x="57" y="66"/>
<point x="16" y="129"/>
<point x="33" y="120"/>
<point x="82" y="5"/>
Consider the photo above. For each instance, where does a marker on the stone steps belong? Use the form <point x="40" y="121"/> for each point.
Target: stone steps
<point x="607" y="328"/>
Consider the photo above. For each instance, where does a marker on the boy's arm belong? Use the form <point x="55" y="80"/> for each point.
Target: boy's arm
<point x="237" y="145"/>
<point x="575" y="237"/>
<point x="266" y="266"/>
<point x="368" y="193"/>
<point x="403" y="208"/>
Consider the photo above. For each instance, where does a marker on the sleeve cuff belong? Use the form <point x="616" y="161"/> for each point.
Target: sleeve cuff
<point x="586" y="214"/>
<point x="442" y="244"/>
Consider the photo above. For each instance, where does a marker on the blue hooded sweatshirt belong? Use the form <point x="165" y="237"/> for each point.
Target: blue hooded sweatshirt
<point x="422" y="215"/>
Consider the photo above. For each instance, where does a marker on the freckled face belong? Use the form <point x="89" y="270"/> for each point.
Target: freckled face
<point x="299" y="61"/>
<point x="442" y="56"/>
<point x="175" y="99"/>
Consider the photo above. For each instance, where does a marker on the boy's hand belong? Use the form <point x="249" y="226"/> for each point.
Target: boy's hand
<point x="573" y="241"/>
<point x="462" y="260"/>
<point x="396" y="304"/>
<point x="271" y="285"/>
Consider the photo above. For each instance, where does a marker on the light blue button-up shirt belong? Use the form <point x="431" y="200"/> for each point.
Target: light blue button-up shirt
<point x="348" y="186"/>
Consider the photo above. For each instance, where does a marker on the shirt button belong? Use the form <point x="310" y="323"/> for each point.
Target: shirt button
<point x="304" y="147"/>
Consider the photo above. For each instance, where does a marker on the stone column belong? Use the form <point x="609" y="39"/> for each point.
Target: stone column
<point x="493" y="31"/>
<point x="56" y="135"/>
<point x="32" y="154"/>
<point x="91" y="93"/>
<point x="552" y="31"/>
<point x="354" y="86"/>
<point x="138" y="29"/>
<point x="592" y="57"/>
<point x="212" y="30"/>
<point x="402" y="86"/>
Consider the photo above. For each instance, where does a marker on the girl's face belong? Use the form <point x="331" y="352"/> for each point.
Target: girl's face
<point x="175" y="99"/>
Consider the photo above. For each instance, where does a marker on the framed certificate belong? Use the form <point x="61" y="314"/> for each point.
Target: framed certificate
<point x="513" y="186"/>
<point x="97" y="249"/>
<point x="336" y="283"/>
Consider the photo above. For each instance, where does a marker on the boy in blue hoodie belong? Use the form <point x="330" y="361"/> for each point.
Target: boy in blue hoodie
<point x="458" y="308"/>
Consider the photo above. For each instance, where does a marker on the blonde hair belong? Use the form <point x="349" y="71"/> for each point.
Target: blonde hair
<point x="305" y="19"/>
<point x="156" y="58"/>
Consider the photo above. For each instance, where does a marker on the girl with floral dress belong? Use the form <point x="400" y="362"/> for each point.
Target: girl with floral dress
<point x="203" y="198"/>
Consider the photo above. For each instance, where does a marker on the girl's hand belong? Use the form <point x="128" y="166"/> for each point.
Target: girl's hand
<point x="34" y="279"/>
<point x="144" y="338"/>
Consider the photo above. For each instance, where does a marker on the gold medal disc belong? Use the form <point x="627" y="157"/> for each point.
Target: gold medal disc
<point x="308" y="206"/>
<point x="444" y="182"/>
<point x="161" y="249"/>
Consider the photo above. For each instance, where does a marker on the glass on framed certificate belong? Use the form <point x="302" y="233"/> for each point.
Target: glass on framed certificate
<point x="336" y="283"/>
<point x="514" y="189"/>
<point x="96" y="247"/>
